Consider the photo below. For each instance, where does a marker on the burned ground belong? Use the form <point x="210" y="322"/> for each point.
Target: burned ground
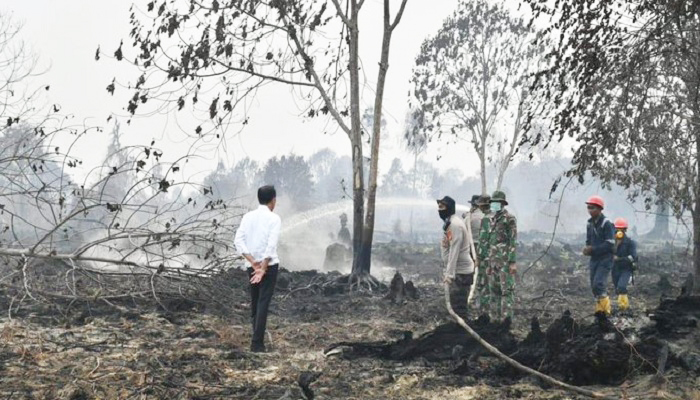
<point x="191" y="347"/>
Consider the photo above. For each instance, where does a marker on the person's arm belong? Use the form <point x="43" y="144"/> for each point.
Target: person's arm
<point x="484" y="239"/>
<point x="444" y="248"/>
<point x="512" y="244"/>
<point x="270" y="250"/>
<point x="272" y="239"/>
<point x="606" y="247"/>
<point x="456" y="240"/>
<point x="588" y="249"/>
<point x="240" y="240"/>
<point x="633" y="254"/>
<point x="588" y="234"/>
<point x="470" y="237"/>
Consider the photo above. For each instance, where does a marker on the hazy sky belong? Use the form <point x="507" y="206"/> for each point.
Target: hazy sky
<point x="65" y="35"/>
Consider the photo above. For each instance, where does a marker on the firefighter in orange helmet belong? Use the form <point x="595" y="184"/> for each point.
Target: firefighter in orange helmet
<point x="599" y="246"/>
<point x="624" y="263"/>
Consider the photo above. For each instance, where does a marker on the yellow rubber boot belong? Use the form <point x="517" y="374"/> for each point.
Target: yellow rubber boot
<point x="603" y="305"/>
<point x="623" y="302"/>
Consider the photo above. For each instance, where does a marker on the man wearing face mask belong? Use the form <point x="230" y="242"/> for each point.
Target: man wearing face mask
<point x="624" y="263"/>
<point x="459" y="266"/>
<point x="503" y="233"/>
<point x="474" y="217"/>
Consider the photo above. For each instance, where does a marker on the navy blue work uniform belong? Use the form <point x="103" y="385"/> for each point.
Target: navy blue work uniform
<point x="623" y="264"/>
<point x="600" y="235"/>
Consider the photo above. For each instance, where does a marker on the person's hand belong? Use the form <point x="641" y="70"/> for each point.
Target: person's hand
<point x="258" y="275"/>
<point x="588" y="250"/>
<point x="512" y="268"/>
<point x="448" y="279"/>
<point x="256" y="265"/>
<point x="614" y="258"/>
<point x="251" y="260"/>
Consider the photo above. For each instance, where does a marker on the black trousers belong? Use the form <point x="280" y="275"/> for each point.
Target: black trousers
<point x="260" y="296"/>
<point x="459" y="294"/>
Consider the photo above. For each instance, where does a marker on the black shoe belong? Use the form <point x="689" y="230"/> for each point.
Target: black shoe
<point x="257" y="348"/>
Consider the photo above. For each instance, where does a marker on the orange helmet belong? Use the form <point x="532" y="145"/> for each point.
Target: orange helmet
<point x="596" y="201"/>
<point x="621" y="223"/>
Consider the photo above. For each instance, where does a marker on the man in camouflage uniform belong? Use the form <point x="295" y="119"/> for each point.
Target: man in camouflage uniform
<point x="502" y="239"/>
<point x="482" y="281"/>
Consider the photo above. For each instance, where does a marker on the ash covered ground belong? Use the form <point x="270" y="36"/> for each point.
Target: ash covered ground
<point x="326" y="343"/>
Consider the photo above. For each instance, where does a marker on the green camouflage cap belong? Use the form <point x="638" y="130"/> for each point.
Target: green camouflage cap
<point x="499" y="196"/>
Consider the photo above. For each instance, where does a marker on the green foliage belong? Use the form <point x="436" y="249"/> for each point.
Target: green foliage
<point x="623" y="82"/>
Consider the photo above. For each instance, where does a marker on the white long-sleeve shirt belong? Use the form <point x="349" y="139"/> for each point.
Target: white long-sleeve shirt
<point x="455" y="249"/>
<point x="258" y="235"/>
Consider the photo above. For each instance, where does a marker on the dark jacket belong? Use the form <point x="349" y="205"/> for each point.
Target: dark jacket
<point x="625" y="253"/>
<point x="600" y="234"/>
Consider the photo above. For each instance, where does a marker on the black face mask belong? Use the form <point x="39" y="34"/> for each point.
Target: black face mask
<point x="444" y="214"/>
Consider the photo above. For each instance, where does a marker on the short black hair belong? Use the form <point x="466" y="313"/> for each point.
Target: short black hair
<point x="266" y="194"/>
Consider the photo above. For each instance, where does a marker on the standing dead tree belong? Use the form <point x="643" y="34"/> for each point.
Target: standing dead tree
<point x="471" y="82"/>
<point x="212" y="58"/>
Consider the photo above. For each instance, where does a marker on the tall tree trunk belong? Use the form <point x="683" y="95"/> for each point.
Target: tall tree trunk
<point x="368" y="232"/>
<point x="356" y="137"/>
<point x="484" y="125"/>
<point x="513" y="144"/>
<point x="696" y="242"/>
<point x="696" y="214"/>
<point x="661" y="222"/>
<point x="482" y="161"/>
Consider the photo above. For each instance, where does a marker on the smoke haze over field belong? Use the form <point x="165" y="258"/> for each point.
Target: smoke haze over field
<point x="307" y="159"/>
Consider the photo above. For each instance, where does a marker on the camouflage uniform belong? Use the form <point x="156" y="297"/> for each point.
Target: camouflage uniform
<point x="502" y="241"/>
<point x="482" y="280"/>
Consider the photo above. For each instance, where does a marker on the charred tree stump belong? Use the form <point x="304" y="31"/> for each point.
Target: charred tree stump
<point x="595" y="355"/>
<point x="664" y="285"/>
<point x="568" y="353"/>
<point x="661" y="368"/>
<point x="493" y="350"/>
<point x="411" y="291"/>
<point x="688" y="286"/>
<point x="305" y="380"/>
<point x="399" y="291"/>
<point x="677" y="317"/>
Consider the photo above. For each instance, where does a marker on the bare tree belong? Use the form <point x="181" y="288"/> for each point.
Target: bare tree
<point x="218" y="54"/>
<point x="471" y="81"/>
<point x="127" y="218"/>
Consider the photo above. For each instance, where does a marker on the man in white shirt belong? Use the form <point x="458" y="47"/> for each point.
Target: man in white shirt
<point x="256" y="239"/>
